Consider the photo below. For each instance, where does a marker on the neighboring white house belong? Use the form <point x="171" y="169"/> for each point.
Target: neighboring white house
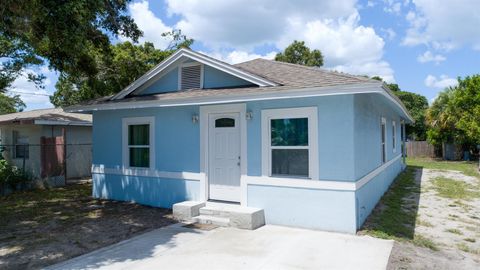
<point x="43" y="141"/>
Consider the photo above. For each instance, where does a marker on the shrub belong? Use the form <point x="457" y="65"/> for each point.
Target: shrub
<point x="12" y="177"/>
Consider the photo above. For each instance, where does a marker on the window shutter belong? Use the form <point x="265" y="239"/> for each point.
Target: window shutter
<point x="190" y="77"/>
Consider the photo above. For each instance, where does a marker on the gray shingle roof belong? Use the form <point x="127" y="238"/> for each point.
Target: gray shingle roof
<point x="298" y="75"/>
<point x="46" y="114"/>
<point x="288" y="76"/>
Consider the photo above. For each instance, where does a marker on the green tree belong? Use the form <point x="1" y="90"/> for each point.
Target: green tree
<point x="60" y="33"/>
<point x="441" y="118"/>
<point x="467" y="102"/>
<point x="65" y="32"/>
<point x="10" y="104"/>
<point x="16" y="57"/>
<point x="454" y="116"/>
<point x="125" y="64"/>
<point x="416" y="105"/>
<point x="298" y="53"/>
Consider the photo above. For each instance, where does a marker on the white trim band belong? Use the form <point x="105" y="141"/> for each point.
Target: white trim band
<point x="316" y="184"/>
<point x="364" y="180"/>
<point x="62" y="123"/>
<point x="232" y="97"/>
<point x="99" y="169"/>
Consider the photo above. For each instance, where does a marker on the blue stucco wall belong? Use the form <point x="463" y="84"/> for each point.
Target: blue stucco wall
<point x="166" y="83"/>
<point x="369" y="109"/>
<point x="214" y="78"/>
<point x="348" y="146"/>
<point x="177" y="139"/>
<point x="159" y="192"/>
<point x="306" y="208"/>
<point x="368" y="195"/>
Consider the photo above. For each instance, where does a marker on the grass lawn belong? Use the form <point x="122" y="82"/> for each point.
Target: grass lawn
<point x="42" y="227"/>
<point x="391" y="220"/>
<point x="466" y="167"/>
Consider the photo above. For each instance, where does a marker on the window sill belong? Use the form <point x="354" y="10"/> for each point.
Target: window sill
<point x="293" y="177"/>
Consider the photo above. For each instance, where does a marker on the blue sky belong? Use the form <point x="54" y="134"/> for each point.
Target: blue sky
<point x="423" y="45"/>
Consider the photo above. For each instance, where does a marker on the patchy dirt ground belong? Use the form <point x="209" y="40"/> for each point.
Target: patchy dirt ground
<point x="43" y="227"/>
<point x="448" y="217"/>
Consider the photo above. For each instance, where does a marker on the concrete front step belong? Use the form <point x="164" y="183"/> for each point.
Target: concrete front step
<point x="220" y="214"/>
<point x="213" y="220"/>
<point x="224" y="210"/>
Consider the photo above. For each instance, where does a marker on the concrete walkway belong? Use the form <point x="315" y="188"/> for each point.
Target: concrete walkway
<point x="269" y="247"/>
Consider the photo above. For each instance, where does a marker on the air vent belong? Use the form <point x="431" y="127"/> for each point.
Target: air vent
<point x="190" y="77"/>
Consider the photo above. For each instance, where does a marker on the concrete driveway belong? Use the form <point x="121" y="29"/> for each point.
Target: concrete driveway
<point x="269" y="247"/>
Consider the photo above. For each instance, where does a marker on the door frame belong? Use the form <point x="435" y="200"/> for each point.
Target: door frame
<point x="205" y="112"/>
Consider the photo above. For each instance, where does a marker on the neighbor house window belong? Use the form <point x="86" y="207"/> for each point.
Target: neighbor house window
<point x="290" y="143"/>
<point x="383" y="136"/>
<point x="21" y="147"/>
<point x="394" y="137"/>
<point x="138" y="142"/>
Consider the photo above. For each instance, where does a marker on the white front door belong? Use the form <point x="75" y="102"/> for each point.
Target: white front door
<point x="224" y="156"/>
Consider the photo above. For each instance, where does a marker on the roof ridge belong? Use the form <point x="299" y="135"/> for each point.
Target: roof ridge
<point x="314" y="68"/>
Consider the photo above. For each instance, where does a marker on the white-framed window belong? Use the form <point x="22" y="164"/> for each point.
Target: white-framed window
<point x="21" y="146"/>
<point x="383" y="131"/>
<point x="290" y="143"/>
<point x="394" y="136"/>
<point x="139" y="142"/>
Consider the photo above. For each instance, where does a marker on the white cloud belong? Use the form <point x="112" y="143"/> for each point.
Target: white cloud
<point x="29" y="93"/>
<point x="152" y="27"/>
<point x="444" y="25"/>
<point x="381" y="69"/>
<point x="235" y="57"/>
<point x="392" y="6"/>
<point x="238" y="24"/>
<point x="346" y="45"/>
<point x="441" y="82"/>
<point x="388" y="33"/>
<point x="331" y="26"/>
<point x="428" y="56"/>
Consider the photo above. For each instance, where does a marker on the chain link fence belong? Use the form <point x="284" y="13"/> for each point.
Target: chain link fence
<point x="52" y="160"/>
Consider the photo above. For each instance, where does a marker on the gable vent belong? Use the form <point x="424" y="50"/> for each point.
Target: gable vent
<point x="190" y="77"/>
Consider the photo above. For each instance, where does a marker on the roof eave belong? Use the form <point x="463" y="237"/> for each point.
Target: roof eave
<point x="398" y="101"/>
<point x="264" y="94"/>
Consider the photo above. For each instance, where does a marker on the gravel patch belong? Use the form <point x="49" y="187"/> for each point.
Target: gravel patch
<point x="453" y="224"/>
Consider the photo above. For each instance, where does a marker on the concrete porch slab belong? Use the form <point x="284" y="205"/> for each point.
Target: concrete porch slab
<point x="269" y="247"/>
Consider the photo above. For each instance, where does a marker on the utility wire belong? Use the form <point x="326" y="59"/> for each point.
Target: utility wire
<point x="26" y="93"/>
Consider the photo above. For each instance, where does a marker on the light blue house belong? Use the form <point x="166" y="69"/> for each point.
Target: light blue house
<point x="312" y="148"/>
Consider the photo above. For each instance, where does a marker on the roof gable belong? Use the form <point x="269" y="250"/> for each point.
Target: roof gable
<point x="180" y="56"/>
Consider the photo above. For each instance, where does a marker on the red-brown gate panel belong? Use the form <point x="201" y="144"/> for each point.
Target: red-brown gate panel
<point x="52" y="156"/>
